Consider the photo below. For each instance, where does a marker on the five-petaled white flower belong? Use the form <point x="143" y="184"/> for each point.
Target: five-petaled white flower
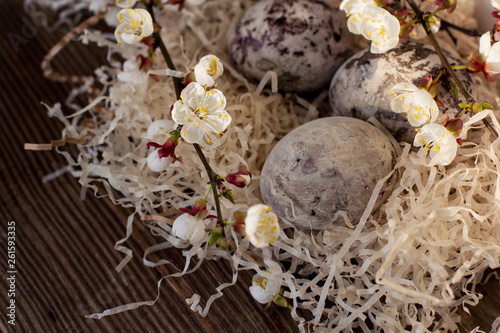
<point x="125" y="3"/>
<point x="135" y="24"/>
<point x="416" y="103"/>
<point x="490" y="52"/>
<point x="264" y="288"/>
<point x="189" y="228"/>
<point x="438" y="141"/>
<point x="200" y="112"/>
<point x="374" y="23"/>
<point x="207" y="70"/>
<point x="261" y="226"/>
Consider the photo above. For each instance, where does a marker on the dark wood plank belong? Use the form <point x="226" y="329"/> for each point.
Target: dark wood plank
<point x="65" y="256"/>
<point x="64" y="249"/>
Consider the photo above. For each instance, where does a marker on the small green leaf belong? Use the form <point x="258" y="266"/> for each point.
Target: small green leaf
<point x="434" y="89"/>
<point x="222" y="243"/>
<point x="226" y="193"/>
<point x="487" y="106"/>
<point x="454" y="90"/>
<point x="213" y="238"/>
<point x="280" y="301"/>
<point x="477" y="108"/>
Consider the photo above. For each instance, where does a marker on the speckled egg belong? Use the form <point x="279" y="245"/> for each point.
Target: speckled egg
<point x="326" y="166"/>
<point x="361" y="88"/>
<point x="303" y="41"/>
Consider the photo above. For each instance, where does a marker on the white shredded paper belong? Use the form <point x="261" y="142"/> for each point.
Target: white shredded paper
<point x="406" y="267"/>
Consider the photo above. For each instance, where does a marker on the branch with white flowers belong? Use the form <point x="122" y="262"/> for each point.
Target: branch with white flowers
<point x="432" y="38"/>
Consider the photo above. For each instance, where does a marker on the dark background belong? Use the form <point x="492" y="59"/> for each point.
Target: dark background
<point x="64" y="246"/>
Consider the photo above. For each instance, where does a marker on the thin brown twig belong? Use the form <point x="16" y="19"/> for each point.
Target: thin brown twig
<point x="177" y="85"/>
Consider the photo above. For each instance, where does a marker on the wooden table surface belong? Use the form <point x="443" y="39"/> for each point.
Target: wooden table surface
<point x="64" y="246"/>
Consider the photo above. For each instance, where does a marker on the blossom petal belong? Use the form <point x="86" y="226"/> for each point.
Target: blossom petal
<point x="260" y="294"/>
<point x="355" y="6"/>
<point x="157" y="163"/>
<point x="162" y="126"/>
<point x="192" y="133"/>
<point x="125" y="3"/>
<point x="180" y="113"/>
<point x="485" y="44"/>
<point x="218" y="121"/>
<point x="493" y="59"/>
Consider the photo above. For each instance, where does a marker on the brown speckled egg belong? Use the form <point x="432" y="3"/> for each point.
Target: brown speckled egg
<point x="303" y="41"/>
<point x="326" y="166"/>
<point x="361" y="88"/>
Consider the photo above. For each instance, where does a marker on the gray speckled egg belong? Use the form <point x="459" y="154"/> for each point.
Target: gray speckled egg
<point x="303" y="41"/>
<point x="361" y="88"/>
<point x="326" y="166"/>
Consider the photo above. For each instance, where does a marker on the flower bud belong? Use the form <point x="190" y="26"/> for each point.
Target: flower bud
<point x="166" y="150"/>
<point x="189" y="228"/>
<point x="199" y="210"/>
<point x="240" y="179"/>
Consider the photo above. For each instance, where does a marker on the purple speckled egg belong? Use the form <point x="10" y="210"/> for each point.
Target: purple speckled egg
<point x="303" y="41"/>
<point x="326" y="166"/>
<point x="361" y="88"/>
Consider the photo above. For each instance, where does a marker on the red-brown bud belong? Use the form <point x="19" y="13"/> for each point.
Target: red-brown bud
<point x="240" y="178"/>
<point x="168" y="148"/>
<point x="199" y="210"/>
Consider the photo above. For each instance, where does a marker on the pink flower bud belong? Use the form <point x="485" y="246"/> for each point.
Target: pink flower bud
<point x="240" y="179"/>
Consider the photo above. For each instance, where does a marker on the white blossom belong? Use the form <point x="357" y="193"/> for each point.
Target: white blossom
<point x="189" y="228"/>
<point x="110" y="17"/>
<point x="355" y="6"/>
<point x="160" y="130"/>
<point x="372" y="22"/>
<point x="200" y="112"/>
<point x="495" y="4"/>
<point x="261" y="225"/>
<point x="125" y="3"/>
<point x="438" y="142"/>
<point x="132" y="73"/>
<point x="207" y="70"/>
<point x="429" y="6"/>
<point x="416" y="103"/>
<point x="381" y="28"/>
<point x="266" y="286"/>
<point x="418" y="31"/>
<point x="490" y="52"/>
<point x="135" y="24"/>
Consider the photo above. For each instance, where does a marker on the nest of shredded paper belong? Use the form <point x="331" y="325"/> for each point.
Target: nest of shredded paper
<point x="406" y="267"/>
